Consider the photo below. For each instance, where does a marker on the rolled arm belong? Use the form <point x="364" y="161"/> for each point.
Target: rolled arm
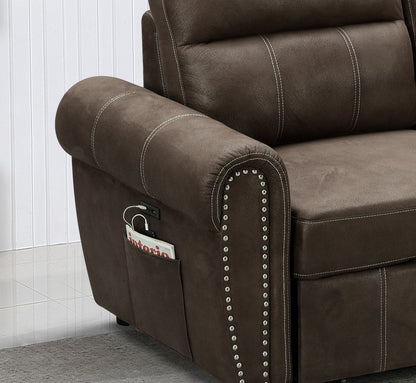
<point x="232" y="187"/>
<point x="154" y="145"/>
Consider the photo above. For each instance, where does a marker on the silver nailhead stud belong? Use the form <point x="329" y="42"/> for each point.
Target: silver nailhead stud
<point x="265" y="285"/>
<point x="264" y="209"/>
<point x="264" y="353"/>
<point x="237" y="174"/>
<point x="245" y="171"/>
<point x="265" y="276"/>
<point x="225" y="207"/>
<point x="226" y="249"/>
<point x="265" y="295"/>
<point x="242" y="381"/>
<point x="225" y="238"/>
<point x="225" y="218"/>
<point x="228" y="299"/>
<point x="224" y="227"/>
<point x="266" y="304"/>
<point x="227" y="187"/>
<point x="264" y="200"/>
<point x="225" y="259"/>
<point x="265" y="313"/>
<point x="240" y="373"/>
<point x="265" y="323"/>
<point x="264" y="228"/>
<point x="265" y="237"/>
<point x="264" y="342"/>
<point x="239" y="365"/>
<point x="232" y="328"/>
<point x="262" y="183"/>
<point x="226" y="268"/>
<point x="229" y="308"/>
<point x="261" y="176"/>
<point x="265" y="374"/>
<point x="231" y="179"/>
<point x="264" y="247"/>
<point x="264" y="267"/>
<point x="230" y="318"/>
<point x="226" y="278"/>
<point x="264" y="192"/>
<point x="263" y="219"/>
<point x="227" y="289"/>
<point x="264" y="256"/>
<point x="236" y="356"/>
<point x="254" y="171"/>
<point x="235" y="347"/>
<point x="264" y="332"/>
<point x="234" y="338"/>
<point x="225" y="197"/>
<point x="265" y="364"/>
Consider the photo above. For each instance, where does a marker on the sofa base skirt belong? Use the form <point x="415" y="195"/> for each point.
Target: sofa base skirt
<point x="357" y="324"/>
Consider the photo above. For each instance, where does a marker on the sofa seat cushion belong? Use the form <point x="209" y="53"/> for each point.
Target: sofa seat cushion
<point x="353" y="202"/>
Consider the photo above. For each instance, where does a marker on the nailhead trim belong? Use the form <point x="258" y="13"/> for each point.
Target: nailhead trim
<point x="265" y="293"/>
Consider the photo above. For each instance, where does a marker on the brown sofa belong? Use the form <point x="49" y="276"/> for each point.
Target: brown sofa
<point x="275" y="138"/>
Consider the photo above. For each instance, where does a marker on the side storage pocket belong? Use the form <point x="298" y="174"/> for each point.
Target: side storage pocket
<point x="157" y="297"/>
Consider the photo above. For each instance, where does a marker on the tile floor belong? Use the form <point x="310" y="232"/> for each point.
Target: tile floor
<point x="45" y="295"/>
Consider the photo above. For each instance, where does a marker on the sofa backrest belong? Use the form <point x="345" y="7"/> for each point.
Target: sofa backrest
<point x="284" y="71"/>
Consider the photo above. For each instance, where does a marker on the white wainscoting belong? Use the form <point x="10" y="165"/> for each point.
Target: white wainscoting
<point x="45" y="47"/>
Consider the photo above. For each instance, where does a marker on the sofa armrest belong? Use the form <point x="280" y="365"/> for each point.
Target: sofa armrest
<point x="233" y="232"/>
<point x="154" y="145"/>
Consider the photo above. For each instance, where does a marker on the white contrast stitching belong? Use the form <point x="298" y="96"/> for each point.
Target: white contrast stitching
<point x="312" y="222"/>
<point x="279" y="86"/>
<point x="358" y="80"/>
<point x="149" y="139"/>
<point x="175" y="53"/>
<point x="381" y="319"/>
<point x="97" y="118"/>
<point x="393" y="261"/>
<point x="357" y="77"/>
<point x="159" y="58"/>
<point x="286" y="330"/>
<point x="385" y="319"/>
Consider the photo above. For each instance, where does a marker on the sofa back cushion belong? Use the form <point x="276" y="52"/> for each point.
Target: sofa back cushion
<point x="284" y="71"/>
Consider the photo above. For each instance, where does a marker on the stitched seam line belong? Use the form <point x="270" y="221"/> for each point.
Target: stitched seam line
<point x="97" y="119"/>
<point x="357" y="66"/>
<point x="175" y="53"/>
<point x="285" y="188"/>
<point x="385" y="319"/>
<point x="381" y="319"/>
<point x="357" y="78"/>
<point x="279" y="86"/>
<point x="159" y="58"/>
<point x="393" y="261"/>
<point x="150" y="138"/>
<point x="312" y="222"/>
<point x="412" y="19"/>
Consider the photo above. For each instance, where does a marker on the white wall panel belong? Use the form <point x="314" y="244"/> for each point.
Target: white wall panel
<point x="37" y="73"/>
<point x="45" y="47"/>
<point x="22" y="124"/>
<point x="6" y="159"/>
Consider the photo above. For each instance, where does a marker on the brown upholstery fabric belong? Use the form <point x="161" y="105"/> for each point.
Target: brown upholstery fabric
<point x="353" y="202"/>
<point x="200" y="21"/>
<point x="129" y="145"/>
<point x="231" y="87"/>
<point x="153" y="69"/>
<point x="285" y="71"/>
<point x="357" y="324"/>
